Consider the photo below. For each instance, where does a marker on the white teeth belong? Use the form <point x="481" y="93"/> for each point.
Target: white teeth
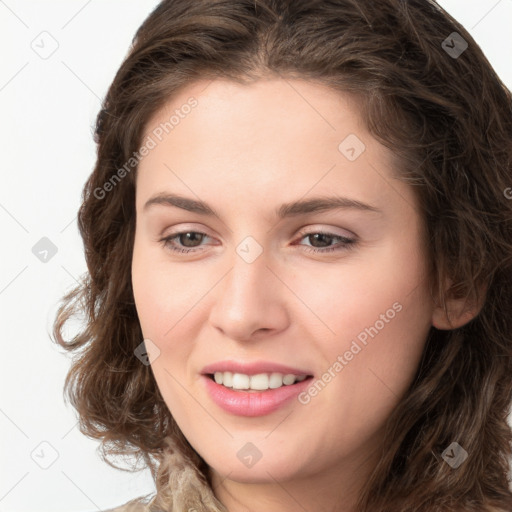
<point x="259" y="382"/>
<point x="227" y="379"/>
<point x="241" y="381"/>
<point x="288" y="379"/>
<point x="275" y="381"/>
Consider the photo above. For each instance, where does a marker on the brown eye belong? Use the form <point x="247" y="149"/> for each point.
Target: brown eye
<point x="320" y="242"/>
<point x="189" y="238"/>
<point x="184" y="241"/>
<point x="320" y="237"/>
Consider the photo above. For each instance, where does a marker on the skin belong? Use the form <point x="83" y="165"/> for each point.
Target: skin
<point x="245" y="150"/>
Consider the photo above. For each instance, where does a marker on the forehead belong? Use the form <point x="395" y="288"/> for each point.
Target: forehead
<point x="271" y="136"/>
<point x="272" y="103"/>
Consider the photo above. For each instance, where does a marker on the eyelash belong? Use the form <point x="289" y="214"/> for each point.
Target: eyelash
<point x="347" y="243"/>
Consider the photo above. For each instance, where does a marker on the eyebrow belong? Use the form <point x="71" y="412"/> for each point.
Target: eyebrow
<point x="294" y="208"/>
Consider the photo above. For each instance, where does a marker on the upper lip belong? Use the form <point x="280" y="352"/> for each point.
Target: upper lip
<point x="252" y="368"/>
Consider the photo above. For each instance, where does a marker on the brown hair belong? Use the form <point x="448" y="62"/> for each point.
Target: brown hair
<point x="447" y="117"/>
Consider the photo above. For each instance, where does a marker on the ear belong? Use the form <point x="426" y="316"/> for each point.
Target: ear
<point x="459" y="311"/>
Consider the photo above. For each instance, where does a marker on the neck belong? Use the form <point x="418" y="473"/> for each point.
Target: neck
<point x="334" y="490"/>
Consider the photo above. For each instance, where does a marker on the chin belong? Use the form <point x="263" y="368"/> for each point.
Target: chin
<point x="263" y="471"/>
<point x="262" y="475"/>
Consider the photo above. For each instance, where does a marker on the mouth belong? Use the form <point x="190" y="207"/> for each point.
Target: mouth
<point x="235" y="393"/>
<point x="254" y="388"/>
<point x="256" y="383"/>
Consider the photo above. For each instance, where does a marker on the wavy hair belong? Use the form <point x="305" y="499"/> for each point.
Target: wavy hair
<point x="448" y="120"/>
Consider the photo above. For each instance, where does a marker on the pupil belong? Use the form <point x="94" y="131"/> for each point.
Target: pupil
<point x="188" y="236"/>
<point x="185" y="238"/>
<point x="321" y="235"/>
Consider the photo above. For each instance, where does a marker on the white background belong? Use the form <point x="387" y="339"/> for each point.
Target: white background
<point x="48" y="108"/>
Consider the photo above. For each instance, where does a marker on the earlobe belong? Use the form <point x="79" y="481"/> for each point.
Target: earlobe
<point x="458" y="312"/>
<point x="456" y="316"/>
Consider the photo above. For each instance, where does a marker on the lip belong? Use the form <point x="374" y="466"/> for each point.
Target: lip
<point x="254" y="403"/>
<point x="253" y="368"/>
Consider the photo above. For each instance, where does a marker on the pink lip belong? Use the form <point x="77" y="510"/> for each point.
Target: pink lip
<point x="254" y="403"/>
<point x="252" y="368"/>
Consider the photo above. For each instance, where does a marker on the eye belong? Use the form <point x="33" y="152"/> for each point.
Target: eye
<point x="324" y="238"/>
<point x="189" y="241"/>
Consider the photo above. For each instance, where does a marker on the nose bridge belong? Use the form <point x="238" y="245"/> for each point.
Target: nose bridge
<point x="247" y="283"/>
<point x="247" y="298"/>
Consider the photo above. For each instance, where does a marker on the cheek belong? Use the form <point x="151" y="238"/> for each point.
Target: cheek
<point x="162" y="301"/>
<point x="147" y="291"/>
<point x="380" y="314"/>
<point x="352" y="294"/>
<point x="164" y="294"/>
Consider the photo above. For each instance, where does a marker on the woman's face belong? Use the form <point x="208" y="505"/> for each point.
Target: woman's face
<point x="261" y="288"/>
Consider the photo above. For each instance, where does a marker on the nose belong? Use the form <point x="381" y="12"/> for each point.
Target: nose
<point x="250" y="301"/>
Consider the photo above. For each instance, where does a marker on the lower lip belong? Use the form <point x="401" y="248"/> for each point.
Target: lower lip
<point x="254" y="403"/>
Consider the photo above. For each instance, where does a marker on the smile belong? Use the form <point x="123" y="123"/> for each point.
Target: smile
<point x="259" y="382"/>
<point x="252" y="402"/>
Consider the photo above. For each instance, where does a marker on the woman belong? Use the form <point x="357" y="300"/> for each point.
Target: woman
<point x="299" y="242"/>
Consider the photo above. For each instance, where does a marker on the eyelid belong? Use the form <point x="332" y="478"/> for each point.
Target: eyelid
<point x="311" y="229"/>
<point x="347" y="242"/>
<point x="184" y="228"/>
<point x="320" y="228"/>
